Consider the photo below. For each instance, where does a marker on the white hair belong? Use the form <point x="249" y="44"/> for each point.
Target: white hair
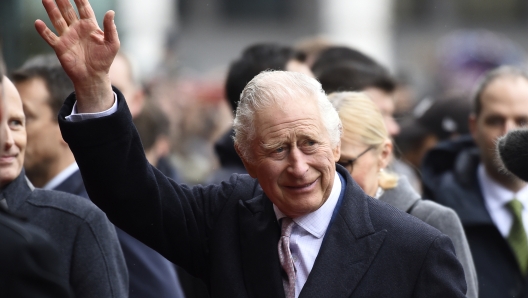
<point x="273" y="87"/>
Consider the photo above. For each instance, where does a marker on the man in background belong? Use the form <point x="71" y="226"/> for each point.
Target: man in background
<point x="50" y="164"/>
<point x="466" y="176"/>
<point x="28" y="259"/>
<point x="90" y="260"/>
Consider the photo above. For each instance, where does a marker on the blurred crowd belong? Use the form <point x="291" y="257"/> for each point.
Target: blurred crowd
<point x="436" y="146"/>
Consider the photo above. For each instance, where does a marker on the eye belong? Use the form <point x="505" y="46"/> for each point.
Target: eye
<point x="15" y="124"/>
<point x="279" y="150"/>
<point x="522" y="122"/>
<point x="495" y="121"/>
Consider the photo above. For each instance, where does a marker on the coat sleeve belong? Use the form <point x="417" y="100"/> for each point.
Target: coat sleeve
<point x="175" y="220"/>
<point x="441" y="275"/>
<point x="447" y="222"/>
<point x="96" y="249"/>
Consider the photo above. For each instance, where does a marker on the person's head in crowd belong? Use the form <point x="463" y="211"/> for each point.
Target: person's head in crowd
<point x="431" y="121"/>
<point x="43" y="85"/>
<point x="290" y="146"/>
<point x="14" y="134"/>
<point x="2" y="108"/>
<point x="123" y="77"/>
<point x="153" y="128"/>
<point x="257" y="58"/>
<point x="463" y="56"/>
<point x="312" y="47"/>
<point x="500" y="104"/>
<point x="345" y="69"/>
<point x="366" y="146"/>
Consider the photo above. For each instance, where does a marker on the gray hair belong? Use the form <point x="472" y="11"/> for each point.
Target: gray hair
<point x="272" y="87"/>
<point x="489" y="77"/>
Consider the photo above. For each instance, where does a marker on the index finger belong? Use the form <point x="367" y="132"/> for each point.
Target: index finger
<point x="85" y="9"/>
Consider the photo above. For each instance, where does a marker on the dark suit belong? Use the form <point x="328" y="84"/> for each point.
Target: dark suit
<point x="29" y="263"/>
<point x="227" y="234"/>
<point x="150" y="275"/>
<point x="90" y="256"/>
<point x="450" y="178"/>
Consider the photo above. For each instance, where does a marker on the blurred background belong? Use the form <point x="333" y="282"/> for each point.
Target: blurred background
<point x="182" y="49"/>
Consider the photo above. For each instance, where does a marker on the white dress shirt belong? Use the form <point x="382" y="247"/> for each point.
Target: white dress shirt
<point x="75" y="117"/>
<point x="63" y="175"/>
<point x="496" y="197"/>
<point x="308" y="233"/>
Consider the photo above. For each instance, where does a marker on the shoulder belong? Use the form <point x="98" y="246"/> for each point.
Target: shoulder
<point x="65" y="204"/>
<point x="402" y="227"/>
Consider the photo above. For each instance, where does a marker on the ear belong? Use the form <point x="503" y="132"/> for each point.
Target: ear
<point x="337" y="152"/>
<point x="385" y="154"/>
<point x="250" y="168"/>
<point x="472" y="123"/>
<point x="137" y="102"/>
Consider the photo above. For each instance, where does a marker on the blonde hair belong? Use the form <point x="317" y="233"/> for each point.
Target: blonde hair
<point x="362" y="121"/>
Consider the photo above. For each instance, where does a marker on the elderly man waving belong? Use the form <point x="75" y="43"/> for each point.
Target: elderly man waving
<point x="294" y="227"/>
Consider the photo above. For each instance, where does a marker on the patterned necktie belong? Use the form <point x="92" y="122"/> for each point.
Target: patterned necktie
<point x="517" y="237"/>
<point x="286" y="259"/>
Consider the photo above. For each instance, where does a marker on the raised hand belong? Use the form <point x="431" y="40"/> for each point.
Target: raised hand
<point x="84" y="50"/>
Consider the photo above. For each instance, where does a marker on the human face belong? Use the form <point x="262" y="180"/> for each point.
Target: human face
<point x="365" y="168"/>
<point x="504" y="107"/>
<point x="294" y="161"/>
<point x="385" y="104"/>
<point x="121" y="77"/>
<point x="14" y="141"/>
<point x="43" y="133"/>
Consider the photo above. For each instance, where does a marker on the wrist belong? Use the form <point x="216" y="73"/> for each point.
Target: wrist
<point x="94" y="95"/>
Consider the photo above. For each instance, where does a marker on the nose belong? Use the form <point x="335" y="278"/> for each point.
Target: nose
<point x="9" y="141"/>
<point x="510" y="124"/>
<point x="298" y="165"/>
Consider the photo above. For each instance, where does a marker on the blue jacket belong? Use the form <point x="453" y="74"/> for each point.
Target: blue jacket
<point x="449" y="175"/>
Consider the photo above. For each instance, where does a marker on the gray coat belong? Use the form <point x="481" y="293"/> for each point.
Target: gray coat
<point x="444" y="219"/>
<point x="91" y="258"/>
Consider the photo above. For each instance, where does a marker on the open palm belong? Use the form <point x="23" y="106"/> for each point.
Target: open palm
<point x="84" y="50"/>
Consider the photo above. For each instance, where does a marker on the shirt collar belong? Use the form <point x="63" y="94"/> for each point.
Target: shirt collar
<point x="57" y="180"/>
<point x="496" y="195"/>
<point x="317" y="222"/>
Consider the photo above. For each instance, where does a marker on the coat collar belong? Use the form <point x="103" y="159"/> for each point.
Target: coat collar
<point x="403" y="196"/>
<point x="350" y="245"/>
<point x="17" y="192"/>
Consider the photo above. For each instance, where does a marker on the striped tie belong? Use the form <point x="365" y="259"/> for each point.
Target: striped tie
<point x="286" y="259"/>
<point x="517" y="237"/>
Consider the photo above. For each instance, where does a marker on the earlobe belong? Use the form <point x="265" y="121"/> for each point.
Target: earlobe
<point x="386" y="154"/>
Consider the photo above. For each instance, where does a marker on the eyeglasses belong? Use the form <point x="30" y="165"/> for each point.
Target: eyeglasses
<point x="350" y="163"/>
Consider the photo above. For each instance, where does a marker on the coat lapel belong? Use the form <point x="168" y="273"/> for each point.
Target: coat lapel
<point x="349" y="247"/>
<point x="17" y="192"/>
<point x="259" y="237"/>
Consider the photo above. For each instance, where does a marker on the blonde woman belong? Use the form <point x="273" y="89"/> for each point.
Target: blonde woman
<point x="366" y="150"/>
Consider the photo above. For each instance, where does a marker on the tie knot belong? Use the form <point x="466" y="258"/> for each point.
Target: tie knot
<point x="515" y="207"/>
<point x="287" y="226"/>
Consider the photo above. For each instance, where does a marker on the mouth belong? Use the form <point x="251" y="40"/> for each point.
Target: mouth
<point x="302" y="187"/>
<point x="8" y="159"/>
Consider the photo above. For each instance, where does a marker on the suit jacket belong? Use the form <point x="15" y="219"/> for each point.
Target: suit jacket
<point x="91" y="258"/>
<point x="450" y="178"/>
<point x="29" y="262"/>
<point x="150" y="274"/>
<point x="227" y="234"/>
<point x="444" y="219"/>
